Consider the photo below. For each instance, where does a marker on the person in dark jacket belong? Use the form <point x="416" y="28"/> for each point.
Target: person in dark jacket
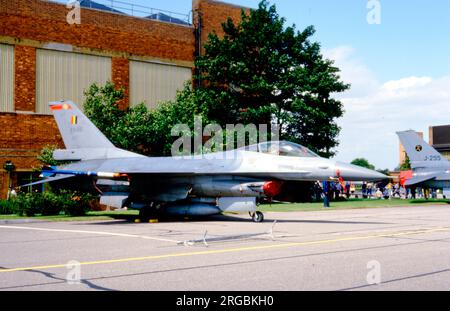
<point x="326" y="193"/>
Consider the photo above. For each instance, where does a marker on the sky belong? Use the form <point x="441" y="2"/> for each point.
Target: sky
<point x="399" y="69"/>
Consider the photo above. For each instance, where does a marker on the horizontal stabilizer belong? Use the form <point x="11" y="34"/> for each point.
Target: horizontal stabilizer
<point x="418" y="179"/>
<point x="443" y="177"/>
<point x="84" y="154"/>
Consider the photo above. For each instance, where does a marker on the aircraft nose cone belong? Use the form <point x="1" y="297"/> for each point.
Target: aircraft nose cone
<point x="352" y="172"/>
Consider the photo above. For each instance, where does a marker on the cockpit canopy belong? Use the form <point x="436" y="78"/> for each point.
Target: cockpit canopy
<point x="282" y="148"/>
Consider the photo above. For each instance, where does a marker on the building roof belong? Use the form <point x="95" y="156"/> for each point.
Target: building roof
<point x="166" y="18"/>
<point x="94" y="5"/>
<point x="89" y="4"/>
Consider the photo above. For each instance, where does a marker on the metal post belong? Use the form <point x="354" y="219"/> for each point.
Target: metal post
<point x="8" y="181"/>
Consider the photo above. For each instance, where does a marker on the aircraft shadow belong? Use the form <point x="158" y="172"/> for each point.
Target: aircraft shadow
<point x="230" y="218"/>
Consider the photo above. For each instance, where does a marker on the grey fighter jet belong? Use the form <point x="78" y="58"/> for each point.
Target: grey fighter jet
<point x="202" y="185"/>
<point x="430" y="168"/>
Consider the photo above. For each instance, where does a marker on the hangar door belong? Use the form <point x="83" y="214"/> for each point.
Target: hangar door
<point x="65" y="76"/>
<point x="6" y="78"/>
<point x="153" y="83"/>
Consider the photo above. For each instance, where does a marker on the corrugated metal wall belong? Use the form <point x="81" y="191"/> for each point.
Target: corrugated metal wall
<point x="6" y="78"/>
<point x="153" y="83"/>
<point x="63" y="75"/>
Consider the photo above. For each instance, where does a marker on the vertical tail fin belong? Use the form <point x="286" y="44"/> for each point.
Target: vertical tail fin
<point x="77" y="131"/>
<point x="419" y="152"/>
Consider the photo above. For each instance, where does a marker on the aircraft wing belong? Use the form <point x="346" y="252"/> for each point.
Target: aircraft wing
<point x="419" y="179"/>
<point x="443" y="177"/>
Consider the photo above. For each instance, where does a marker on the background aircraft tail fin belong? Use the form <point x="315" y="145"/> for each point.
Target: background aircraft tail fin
<point x="77" y="131"/>
<point x="419" y="152"/>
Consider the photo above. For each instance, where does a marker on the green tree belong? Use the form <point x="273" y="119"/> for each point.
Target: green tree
<point x="130" y="129"/>
<point x="262" y="71"/>
<point x="137" y="128"/>
<point x="46" y="155"/>
<point x="363" y="163"/>
<point x="385" y="171"/>
<point x="102" y="108"/>
<point x="406" y="165"/>
<point x="183" y="110"/>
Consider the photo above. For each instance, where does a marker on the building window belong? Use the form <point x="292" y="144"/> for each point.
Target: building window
<point x="153" y="83"/>
<point x="65" y="76"/>
<point x="6" y="78"/>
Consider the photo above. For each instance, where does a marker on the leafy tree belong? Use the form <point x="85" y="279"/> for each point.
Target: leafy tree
<point x="262" y="71"/>
<point x="363" y="163"/>
<point x="137" y="128"/>
<point x="46" y="155"/>
<point x="130" y="129"/>
<point x="183" y="110"/>
<point x="406" y="165"/>
<point x="385" y="171"/>
<point x="101" y="107"/>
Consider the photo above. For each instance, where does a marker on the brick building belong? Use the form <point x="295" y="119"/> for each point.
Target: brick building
<point x="44" y="58"/>
<point x="440" y="139"/>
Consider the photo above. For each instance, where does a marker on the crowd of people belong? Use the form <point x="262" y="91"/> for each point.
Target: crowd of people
<point x="334" y="191"/>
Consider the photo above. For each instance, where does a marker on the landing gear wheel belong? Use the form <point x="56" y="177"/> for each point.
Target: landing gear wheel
<point x="258" y="217"/>
<point x="147" y="213"/>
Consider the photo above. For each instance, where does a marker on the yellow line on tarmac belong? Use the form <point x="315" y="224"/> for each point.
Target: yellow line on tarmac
<point x="235" y="250"/>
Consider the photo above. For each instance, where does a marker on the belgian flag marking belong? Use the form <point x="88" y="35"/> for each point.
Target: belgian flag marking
<point x="61" y="107"/>
<point x="74" y="120"/>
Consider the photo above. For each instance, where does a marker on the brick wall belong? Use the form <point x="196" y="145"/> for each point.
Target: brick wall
<point x="27" y="132"/>
<point x="213" y="14"/>
<point x="24" y="78"/>
<point x="121" y="78"/>
<point x="46" y="22"/>
<point x="24" y="135"/>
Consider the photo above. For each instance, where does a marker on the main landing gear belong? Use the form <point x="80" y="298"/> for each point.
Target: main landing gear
<point x="148" y="213"/>
<point x="257" y="216"/>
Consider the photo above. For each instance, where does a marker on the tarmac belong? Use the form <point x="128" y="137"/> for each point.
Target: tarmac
<point x="381" y="249"/>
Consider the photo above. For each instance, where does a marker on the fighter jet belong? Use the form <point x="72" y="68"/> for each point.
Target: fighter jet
<point x="199" y="185"/>
<point x="430" y="168"/>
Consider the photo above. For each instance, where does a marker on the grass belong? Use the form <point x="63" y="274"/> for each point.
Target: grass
<point x="90" y="216"/>
<point x="350" y="204"/>
<point x="274" y="207"/>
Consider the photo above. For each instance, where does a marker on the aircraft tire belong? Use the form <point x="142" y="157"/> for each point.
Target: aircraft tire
<point x="146" y="213"/>
<point x="258" y="217"/>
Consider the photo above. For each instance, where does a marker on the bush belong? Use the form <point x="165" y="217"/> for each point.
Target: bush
<point x="76" y="204"/>
<point x="7" y="207"/>
<point x="28" y="204"/>
<point x="50" y="204"/>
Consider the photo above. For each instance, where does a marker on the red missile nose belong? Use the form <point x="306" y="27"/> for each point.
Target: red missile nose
<point x="272" y="188"/>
